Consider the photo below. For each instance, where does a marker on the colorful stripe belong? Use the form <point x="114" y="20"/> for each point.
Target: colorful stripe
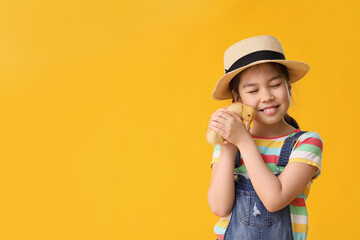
<point x="301" y="219"/>
<point x="298" y="202"/>
<point x="299" y="236"/>
<point x="302" y="228"/>
<point x="298" y="210"/>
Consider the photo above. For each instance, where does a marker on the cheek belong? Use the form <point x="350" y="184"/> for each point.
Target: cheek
<point x="287" y="93"/>
<point x="287" y="96"/>
<point x="286" y="99"/>
<point x="247" y="100"/>
<point x="284" y="94"/>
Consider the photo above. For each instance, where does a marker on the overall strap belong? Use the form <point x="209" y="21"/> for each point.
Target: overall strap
<point x="237" y="159"/>
<point x="287" y="148"/>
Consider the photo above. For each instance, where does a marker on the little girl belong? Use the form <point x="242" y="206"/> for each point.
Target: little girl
<point x="274" y="163"/>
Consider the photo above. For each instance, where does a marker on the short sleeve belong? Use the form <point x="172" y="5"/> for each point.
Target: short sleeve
<point x="308" y="149"/>
<point x="216" y="154"/>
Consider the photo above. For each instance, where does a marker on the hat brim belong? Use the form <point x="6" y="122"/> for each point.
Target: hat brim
<point x="296" y="70"/>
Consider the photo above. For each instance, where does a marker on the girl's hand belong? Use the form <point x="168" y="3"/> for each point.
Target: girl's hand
<point x="229" y="126"/>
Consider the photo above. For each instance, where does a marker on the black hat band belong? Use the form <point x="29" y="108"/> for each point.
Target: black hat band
<point x="255" y="56"/>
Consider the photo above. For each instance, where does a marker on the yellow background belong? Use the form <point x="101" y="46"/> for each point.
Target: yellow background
<point x="104" y="107"/>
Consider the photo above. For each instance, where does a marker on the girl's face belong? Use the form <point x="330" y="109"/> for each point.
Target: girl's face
<point x="264" y="88"/>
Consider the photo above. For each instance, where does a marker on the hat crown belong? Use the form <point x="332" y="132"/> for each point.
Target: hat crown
<point x="251" y="45"/>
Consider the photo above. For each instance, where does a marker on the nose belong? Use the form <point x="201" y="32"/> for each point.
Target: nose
<point x="267" y="95"/>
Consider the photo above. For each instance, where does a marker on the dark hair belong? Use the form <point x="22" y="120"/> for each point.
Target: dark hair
<point x="234" y="85"/>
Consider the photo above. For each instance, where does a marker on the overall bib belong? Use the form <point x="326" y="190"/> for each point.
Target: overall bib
<point x="250" y="220"/>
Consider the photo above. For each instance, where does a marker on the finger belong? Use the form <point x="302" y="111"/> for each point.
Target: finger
<point x="219" y="113"/>
<point x="231" y="113"/>
<point x="219" y="119"/>
<point x="225" y="114"/>
<point x="217" y="130"/>
<point x="227" y="117"/>
<point x="218" y="125"/>
<point x="223" y="122"/>
<point x="247" y="125"/>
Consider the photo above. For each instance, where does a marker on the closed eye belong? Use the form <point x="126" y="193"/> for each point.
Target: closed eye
<point x="253" y="91"/>
<point x="276" y="85"/>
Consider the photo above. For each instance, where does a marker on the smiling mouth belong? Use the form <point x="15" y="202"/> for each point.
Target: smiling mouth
<point x="269" y="109"/>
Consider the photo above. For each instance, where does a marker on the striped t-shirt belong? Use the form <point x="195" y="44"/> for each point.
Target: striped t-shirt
<point x="308" y="150"/>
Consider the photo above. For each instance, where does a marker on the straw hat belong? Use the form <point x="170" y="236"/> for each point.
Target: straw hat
<point x="252" y="51"/>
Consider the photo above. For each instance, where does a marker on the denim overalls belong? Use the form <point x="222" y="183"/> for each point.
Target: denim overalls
<point x="249" y="219"/>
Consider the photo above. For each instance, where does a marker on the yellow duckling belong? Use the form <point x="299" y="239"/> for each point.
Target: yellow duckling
<point x="246" y="113"/>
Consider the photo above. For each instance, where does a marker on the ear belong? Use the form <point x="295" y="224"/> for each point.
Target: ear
<point x="235" y="96"/>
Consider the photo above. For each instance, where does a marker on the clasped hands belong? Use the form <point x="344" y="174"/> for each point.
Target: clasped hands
<point x="228" y="125"/>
